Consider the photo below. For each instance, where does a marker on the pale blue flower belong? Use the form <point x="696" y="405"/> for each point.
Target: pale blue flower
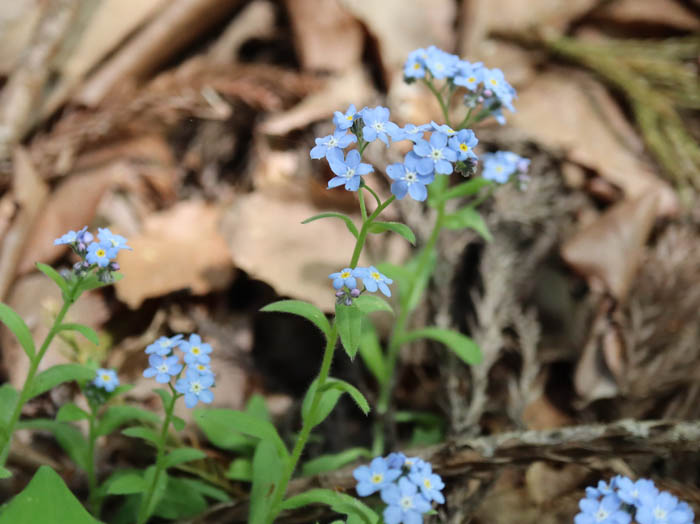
<point x="630" y="491"/>
<point x="73" y="237"/>
<point x="373" y="279"/>
<point x="108" y="238"/>
<point x="469" y="75"/>
<point x="443" y="128"/>
<point x="100" y="254"/>
<point x="377" y="125"/>
<point x="202" y="369"/>
<point x="437" y="152"/>
<point x="605" y="511"/>
<point x="345" y="120"/>
<point x="163" y="345"/>
<point x="195" y="350"/>
<point x="344" y="277"/>
<point x="407" y="179"/>
<point x="429" y="483"/>
<point x="106" y="379"/>
<point x="404" y="503"/>
<point x="440" y="63"/>
<point x="340" y="139"/>
<point x="663" y="508"/>
<point x="499" y="166"/>
<point x="348" y="170"/>
<point x="196" y="388"/>
<point x="163" y="368"/>
<point x="463" y="143"/>
<point x="374" y="477"/>
<point x="415" y="64"/>
<point x="412" y="132"/>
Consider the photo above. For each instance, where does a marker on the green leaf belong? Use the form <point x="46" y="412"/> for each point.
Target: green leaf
<point x="326" y="463"/>
<point x="371" y="352"/>
<point x="240" y="469"/>
<point x="348" y="221"/>
<point x="206" y="489"/>
<point x="178" y="423"/>
<point x="396" y="227"/>
<point x="15" y="324"/>
<point x="91" y="282"/>
<point x="180" y="501"/>
<point x="55" y="276"/>
<point x="116" y="416"/>
<point x="70" y="412"/>
<point x="463" y="346"/>
<point x="328" y="400"/>
<point x="267" y="470"/>
<point x="303" y="309"/>
<point x="372" y="303"/>
<point x="468" y="188"/>
<point x="146" y="434"/>
<point x="468" y="217"/>
<point x="217" y="423"/>
<point x="5" y="473"/>
<point x="165" y="396"/>
<point x="86" y="331"/>
<point x="8" y="402"/>
<point x="345" y="387"/>
<point x="348" y="319"/>
<point x="127" y="484"/>
<point x="158" y="491"/>
<point x="68" y="437"/>
<point x="340" y="502"/>
<point x="45" y="500"/>
<point x="257" y="407"/>
<point x="59" y="374"/>
<point x="181" y="456"/>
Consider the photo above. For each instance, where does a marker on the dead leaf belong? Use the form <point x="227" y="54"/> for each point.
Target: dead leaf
<point x="545" y="482"/>
<point x="649" y="12"/>
<point x="568" y="110"/>
<point x="326" y="36"/>
<point x="180" y="248"/>
<point x="610" y="249"/>
<point x="542" y="414"/>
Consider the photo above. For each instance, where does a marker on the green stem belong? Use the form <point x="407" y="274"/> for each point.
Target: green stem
<point x="24" y="396"/>
<point x="145" y="510"/>
<point x="323" y="373"/>
<point x="93" y="499"/>
<point x="375" y="195"/>
<point x="362" y="237"/>
<point x="363" y="209"/>
<point x="441" y="101"/>
<point x="463" y="124"/>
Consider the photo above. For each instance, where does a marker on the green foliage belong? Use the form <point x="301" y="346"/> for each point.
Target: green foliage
<point x="158" y="490"/>
<point x="182" y="455"/>
<point x="267" y="471"/>
<point x="396" y="227"/>
<point x="143" y="433"/>
<point x="328" y="400"/>
<point x="86" y="331"/>
<point x="468" y="218"/>
<point x="372" y="303"/>
<point x="116" y="416"/>
<point x="180" y="501"/>
<point x="59" y="374"/>
<point x="70" y="413"/>
<point x="468" y="188"/>
<point x="303" y="309"/>
<point x="56" y="277"/>
<point x="348" y="320"/>
<point x="348" y="221"/>
<point x="339" y="502"/>
<point x="371" y="352"/>
<point x="126" y="484"/>
<point x="331" y="462"/>
<point x="345" y="387"/>
<point x="8" y="401"/>
<point x="45" y="500"/>
<point x="463" y="346"/>
<point x="240" y="469"/>
<point x="68" y="437"/>
<point x="20" y="330"/>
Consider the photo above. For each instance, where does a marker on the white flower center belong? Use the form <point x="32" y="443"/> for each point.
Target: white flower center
<point x="165" y="343"/>
<point x="377" y="478"/>
<point x="333" y="142"/>
<point x="436" y="154"/>
<point x="439" y="66"/>
<point x="406" y="502"/>
<point x="163" y="368"/>
<point x="659" y="513"/>
<point x="601" y="515"/>
<point x="349" y="173"/>
<point x="378" y="126"/>
<point x="410" y="177"/>
<point x="195" y="387"/>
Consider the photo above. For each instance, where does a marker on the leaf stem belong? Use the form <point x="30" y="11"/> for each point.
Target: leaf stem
<point x="441" y="101"/>
<point x="93" y="499"/>
<point x="362" y="237"/>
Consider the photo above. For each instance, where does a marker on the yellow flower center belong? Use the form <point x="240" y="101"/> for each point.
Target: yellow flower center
<point x="471" y="79"/>
<point x="416" y="66"/>
<point x="106" y="378"/>
<point x="499" y="169"/>
<point x="195" y="350"/>
<point x="100" y="253"/>
<point x="426" y="483"/>
<point x="375" y="275"/>
<point x="494" y="82"/>
<point x="349" y="117"/>
<point x="464" y="147"/>
<point x="377" y="478"/>
<point x="345" y="274"/>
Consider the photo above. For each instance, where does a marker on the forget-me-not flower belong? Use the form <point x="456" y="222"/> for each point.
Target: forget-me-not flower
<point x="630" y="491"/>
<point x="345" y="120"/>
<point x="442" y="128"/>
<point x="404" y="503"/>
<point x="100" y="254"/>
<point x="340" y="139"/>
<point x="195" y="350"/>
<point x="407" y="179"/>
<point x="106" y="379"/>
<point x="374" y="477"/>
<point x="163" y="345"/>
<point x="108" y="238"/>
<point x="415" y="64"/>
<point x="344" y="277"/>
<point x="73" y="237"/>
<point x="429" y="483"/>
<point x="437" y="152"/>
<point x="663" y="508"/>
<point x="202" y="369"/>
<point x="499" y="166"/>
<point x="468" y="75"/>
<point x="163" y="368"/>
<point x="195" y="387"/>
<point x="463" y="142"/>
<point x="605" y="511"/>
<point x="440" y="63"/>
<point x="377" y="125"/>
<point x="348" y="170"/>
<point x="373" y="279"/>
<point x="412" y="132"/>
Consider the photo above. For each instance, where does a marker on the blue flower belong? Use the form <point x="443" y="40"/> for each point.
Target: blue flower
<point x="411" y="132"/>
<point x="463" y="143"/>
<point x="663" y="508"/>
<point x="437" y="152"/>
<point x="605" y="511"/>
<point x="202" y="369"/>
<point x="602" y="489"/>
<point x="429" y="483"/>
<point x="100" y="254"/>
<point x="340" y="139"/>
<point x="373" y="279"/>
<point x="106" y="379"/>
<point x="344" y="277"/>
<point x="374" y="477"/>
<point x="163" y="368"/>
<point x="468" y="75"/>
<point x="630" y="492"/>
<point x="396" y="460"/>
<point x="195" y="350"/>
<point x="73" y="237"/>
<point x="195" y="387"/>
<point x="415" y="64"/>
<point x="348" y="171"/>
<point x="377" y="125"/>
<point x="404" y="503"/>
<point x="163" y="345"/>
<point x="440" y="63"/>
<point x="407" y="179"/>
<point x="498" y="167"/>
<point x="107" y="238"/>
<point x="443" y="128"/>
<point x="495" y="82"/>
<point x="345" y="120"/>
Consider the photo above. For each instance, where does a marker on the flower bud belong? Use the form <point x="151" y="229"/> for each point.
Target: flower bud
<point x="355" y="293"/>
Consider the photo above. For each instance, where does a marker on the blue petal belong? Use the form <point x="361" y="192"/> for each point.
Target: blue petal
<point x="417" y="191"/>
<point x="395" y="172"/>
<point x="399" y="188"/>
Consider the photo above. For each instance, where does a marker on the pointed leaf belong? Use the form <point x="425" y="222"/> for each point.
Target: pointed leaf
<point x="340" y="502"/>
<point x="116" y="416"/>
<point x="55" y="276"/>
<point x="91" y="282"/>
<point x="180" y="501"/>
<point x="15" y="324"/>
<point x="206" y="489"/>
<point x="346" y="387"/>
<point x="326" y="463"/>
<point x="267" y="470"/>
<point x="68" y="437"/>
<point x="127" y="484"/>
<point x="240" y="469"/>
<point x="146" y="434"/>
<point x="468" y="217"/>
<point x="70" y="413"/>
<point x="348" y="221"/>
<point x="396" y="227"/>
<point x="371" y="352"/>
<point x="328" y="400"/>
<point x="86" y="331"/>
<point x="348" y="319"/>
<point x="165" y="396"/>
<point x="59" y="374"/>
<point x="372" y="303"/>
<point x="463" y="346"/>
<point x="158" y="491"/>
<point x="468" y="188"/>
<point x="178" y="423"/>
<point x="8" y="402"/>
<point x="181" y="456"/>
<point x="303" y="309"/>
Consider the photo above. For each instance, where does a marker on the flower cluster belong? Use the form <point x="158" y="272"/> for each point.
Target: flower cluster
<point x="99" y="254"/>
<point x="345" y="281"/>
<point x="484" y="86"/>
<point x="165" y="365"/>
<point x="106" y="379"/>
<point x="407" y="486"/>
<point x="499" y="167"/>
<point x="617" y="502"/>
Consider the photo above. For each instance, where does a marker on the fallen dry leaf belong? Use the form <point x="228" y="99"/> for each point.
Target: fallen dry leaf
<point x="180" y="248"/>
<point x="568" y="110"/>
<point x="610" y="249"/>
<point x="326" y="36"/>
<point x="545" y="482"/>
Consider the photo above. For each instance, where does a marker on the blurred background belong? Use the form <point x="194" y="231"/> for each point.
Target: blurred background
<point x="186" y="125"/>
